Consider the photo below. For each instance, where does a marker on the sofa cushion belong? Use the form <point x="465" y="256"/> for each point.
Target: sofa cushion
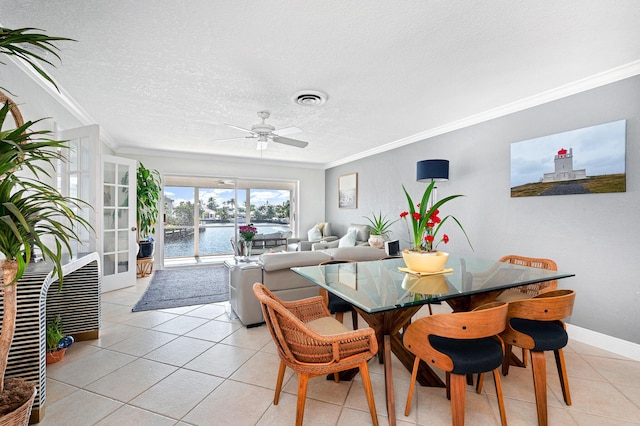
<point x="314" y="234"/>
<point x="287" y="260"/>
<point x="358" y="253"/>
<point x="362" y="231"/>
<point x="349" y="240"/>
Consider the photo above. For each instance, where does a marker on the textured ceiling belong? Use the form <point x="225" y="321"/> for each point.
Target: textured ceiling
<point x="168" y="74"/>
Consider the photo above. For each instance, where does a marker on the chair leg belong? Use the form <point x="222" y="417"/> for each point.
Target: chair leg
<point x="340" y="316"/>
<point x="525" y="356"/>
<point x="354" y="319"/>
<point x="458" y="390"/>
<point x="303" y="380"/>
<point x="276" y="397"/>
<point x="368" y="390"/>
<point x="412" y="384"/>
<point x="539" y="367"/>
<point x="503" y="414"/>
<point x="562" y="373"/>
<point x="480" y="383"/>
<point x="430" y="310"/>
<point x="506" y="359"/>
<point x="448" y="384"/>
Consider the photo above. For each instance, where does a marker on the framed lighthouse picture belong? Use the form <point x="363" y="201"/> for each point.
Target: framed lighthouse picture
<point x="582" y="161"/>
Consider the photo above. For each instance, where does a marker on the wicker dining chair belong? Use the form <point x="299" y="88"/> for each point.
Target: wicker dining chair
<point x="459" y="343"/>
<point x="535" y="324"/>
<point x="530" y="290"/>
<point x="312" y="343"/>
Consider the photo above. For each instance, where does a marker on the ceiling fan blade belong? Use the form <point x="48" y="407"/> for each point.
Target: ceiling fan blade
<point x="239" y="128"/>
<point x="287" y="131"/>
<point x="233" y="139"/>
<point x="287" y="141"/>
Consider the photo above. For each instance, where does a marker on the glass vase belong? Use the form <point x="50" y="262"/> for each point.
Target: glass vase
<point x="248" y="245"/>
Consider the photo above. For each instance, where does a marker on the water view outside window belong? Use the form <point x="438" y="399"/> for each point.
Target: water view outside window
<point x="213" y="212"/>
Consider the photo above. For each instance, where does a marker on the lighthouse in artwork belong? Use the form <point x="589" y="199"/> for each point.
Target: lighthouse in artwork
<point x="563" y="162"/>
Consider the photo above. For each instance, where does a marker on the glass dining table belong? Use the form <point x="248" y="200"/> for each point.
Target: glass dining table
<point x="387" y="296"/>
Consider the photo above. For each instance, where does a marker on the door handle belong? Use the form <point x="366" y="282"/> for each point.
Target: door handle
<point x="133" y="228"/>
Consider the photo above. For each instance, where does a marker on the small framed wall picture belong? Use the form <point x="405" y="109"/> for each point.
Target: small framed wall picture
<point x="348" y="191"/>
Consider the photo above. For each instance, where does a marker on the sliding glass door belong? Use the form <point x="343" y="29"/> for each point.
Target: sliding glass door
<point x="202" y="215"/>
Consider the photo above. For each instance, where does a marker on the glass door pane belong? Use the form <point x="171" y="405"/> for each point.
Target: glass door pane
<point x="217" y="208"/>
<point x="179" y="228"/>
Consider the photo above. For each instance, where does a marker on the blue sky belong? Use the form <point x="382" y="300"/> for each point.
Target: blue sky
<point x="599" y="149"/>
<point x="258" y="196"/>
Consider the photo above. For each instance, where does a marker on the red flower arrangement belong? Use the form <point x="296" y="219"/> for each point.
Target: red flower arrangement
<point x="426" y="222"/>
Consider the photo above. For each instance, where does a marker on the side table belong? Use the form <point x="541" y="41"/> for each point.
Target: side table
<point x="144" y="266"/>
<point x="242" y="276"/>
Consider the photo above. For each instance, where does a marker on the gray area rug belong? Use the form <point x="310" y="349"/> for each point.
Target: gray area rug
<point x="185" y="287"/>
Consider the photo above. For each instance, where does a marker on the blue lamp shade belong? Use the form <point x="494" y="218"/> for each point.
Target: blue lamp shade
<point x="429" y="170"/>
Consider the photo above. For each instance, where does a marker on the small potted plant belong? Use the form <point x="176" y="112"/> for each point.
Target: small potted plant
<point x="148" y="196"/>
<point x="57" y="342"/>
<point x="379" y="229"/>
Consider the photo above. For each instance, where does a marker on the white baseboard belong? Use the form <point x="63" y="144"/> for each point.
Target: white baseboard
<point x="608" y="343"/>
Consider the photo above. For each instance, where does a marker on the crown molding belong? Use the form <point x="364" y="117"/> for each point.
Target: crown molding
<point x="221" y="158"/>
<point x="611" y="76"/>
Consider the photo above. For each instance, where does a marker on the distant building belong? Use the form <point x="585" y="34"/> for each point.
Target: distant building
<point x="564" y="168"/>
<point x="168" y="206"/>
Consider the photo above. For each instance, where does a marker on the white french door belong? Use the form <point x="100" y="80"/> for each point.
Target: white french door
<point x="77" y="178"/>
<point x="118" y="222"/>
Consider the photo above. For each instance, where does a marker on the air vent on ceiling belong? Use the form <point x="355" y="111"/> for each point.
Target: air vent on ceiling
<point x="311" y="98"/>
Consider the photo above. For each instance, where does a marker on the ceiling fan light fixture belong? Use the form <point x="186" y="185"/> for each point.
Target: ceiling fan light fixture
<point x="309" y="98"/>
<point x="262" y="143"/>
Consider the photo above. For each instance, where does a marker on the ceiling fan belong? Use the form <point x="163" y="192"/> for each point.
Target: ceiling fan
<point x="264" y="132"/>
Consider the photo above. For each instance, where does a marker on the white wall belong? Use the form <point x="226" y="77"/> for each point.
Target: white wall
<point x="594" y="236"/>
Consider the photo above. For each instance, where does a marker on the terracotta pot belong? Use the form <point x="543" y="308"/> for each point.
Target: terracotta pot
<point x="422" y="261"/>
<point x="53" y="357"/>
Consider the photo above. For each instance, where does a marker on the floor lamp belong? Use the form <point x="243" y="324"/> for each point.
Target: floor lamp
<point x="433" y="170"/>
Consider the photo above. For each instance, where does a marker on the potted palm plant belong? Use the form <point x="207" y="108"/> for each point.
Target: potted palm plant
<point x="33" y="214"/>
<point x="379" y="229"/>
<point x="148" y="196"/>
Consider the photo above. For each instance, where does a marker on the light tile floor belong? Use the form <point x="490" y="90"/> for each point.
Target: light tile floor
<point x="197" y="366"/>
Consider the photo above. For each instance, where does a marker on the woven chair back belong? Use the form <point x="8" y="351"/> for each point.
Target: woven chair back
<point x="292" y="336"/>
<point x="534" y="262"/>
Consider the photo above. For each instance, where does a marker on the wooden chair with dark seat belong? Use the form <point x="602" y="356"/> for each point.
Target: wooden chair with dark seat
<point x="535" y="324"/>
<point x="338" y="306"/>
<point x="312" y="343"/>
<point x="530" y="290"/>
<point x="459" y="343"/>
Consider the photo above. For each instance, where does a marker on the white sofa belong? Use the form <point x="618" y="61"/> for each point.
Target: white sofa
<point x="274" y="271"/>
<point x="303" y="243"/>
<point x="362" y="238"/>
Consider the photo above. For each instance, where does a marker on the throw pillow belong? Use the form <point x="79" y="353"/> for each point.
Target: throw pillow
<point x="314" y="234"/>
<point x="349" y="239"/>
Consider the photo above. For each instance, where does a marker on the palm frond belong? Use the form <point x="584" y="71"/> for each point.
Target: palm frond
<point x="25" y="44"/>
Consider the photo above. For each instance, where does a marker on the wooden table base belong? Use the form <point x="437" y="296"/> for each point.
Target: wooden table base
<point x="387" y="326"/>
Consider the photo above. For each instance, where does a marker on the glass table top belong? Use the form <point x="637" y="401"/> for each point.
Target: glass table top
<point x="379" y="285"/>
